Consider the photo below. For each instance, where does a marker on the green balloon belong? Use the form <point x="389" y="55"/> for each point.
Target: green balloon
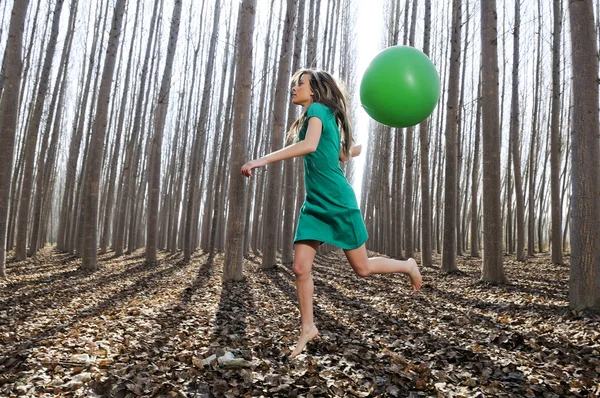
<point x="400" y="87"/>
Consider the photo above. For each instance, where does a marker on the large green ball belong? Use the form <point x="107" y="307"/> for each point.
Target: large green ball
<point x="400" y="87"/>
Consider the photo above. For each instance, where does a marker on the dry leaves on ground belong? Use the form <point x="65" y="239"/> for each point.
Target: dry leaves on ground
<point x="175" y="330"/>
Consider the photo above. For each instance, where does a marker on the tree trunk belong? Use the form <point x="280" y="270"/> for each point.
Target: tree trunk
<point x="555" y="146"/>
<point x="514" y="134"/>
<point x="128" y="176"/>
<point x="290" y="165"/>
<point x="475" y="178"/>
<point x="449" y="248"/>
<point x="584" y="280"/>
<point x="272" y="207"/>
<point x="409" y="246"/>
<point x="232" y="269"/>
<point x="493" y="270"/>
<point x="424" y="143"/>
<point x="156" y="142"/>
<point x="9" y="110"/>
<point x="191" y="223"/>
<point x="32" y="136"/>
<point x="92" y="180"/>
<point x="40" y="188"/>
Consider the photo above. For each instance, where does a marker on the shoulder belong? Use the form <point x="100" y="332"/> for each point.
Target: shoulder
<point x="319" y="110"/>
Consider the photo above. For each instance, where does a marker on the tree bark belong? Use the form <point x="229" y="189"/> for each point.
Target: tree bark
<point x="492" y="270"/>
<point x="584" y="279"/>
<point x="9" y="112"/>
<point x="555" y="146"/>
<point x="449" y="247"/>
<point x="191" y="220"/>
<point x="424" y="144"/>
<point x="475" y="177"/>
<point x="272" y="207"/>
<point x="32" y="137"/>
<point x="514" y="134"/>
<point x="156" y="142"/>
<point x="92" y="180"/>
<point x="128" y="176"/>
<point x="232" y="270"/>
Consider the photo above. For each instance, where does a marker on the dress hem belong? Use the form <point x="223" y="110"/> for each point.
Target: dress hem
<point x="332" y="243"/>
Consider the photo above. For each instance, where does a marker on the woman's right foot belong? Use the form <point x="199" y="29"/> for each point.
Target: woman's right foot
<point x="305" y="337"/>
<point x="415" y="276"/>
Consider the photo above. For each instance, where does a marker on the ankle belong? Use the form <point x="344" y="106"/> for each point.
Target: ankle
<point x="308" y="328"/>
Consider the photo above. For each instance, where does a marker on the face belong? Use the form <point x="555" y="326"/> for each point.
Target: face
<point x="302" y="93"/>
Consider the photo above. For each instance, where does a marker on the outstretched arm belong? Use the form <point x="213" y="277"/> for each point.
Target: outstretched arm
<point x="354" y="151"/>
<point x="308" y="145"/>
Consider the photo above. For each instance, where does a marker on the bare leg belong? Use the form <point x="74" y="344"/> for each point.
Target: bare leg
<point x="365" y="266"/>
<point x="304" y="254"/>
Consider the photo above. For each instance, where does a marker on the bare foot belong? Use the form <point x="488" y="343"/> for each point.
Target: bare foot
<point x="305" y="337"/>
<point x="415" y="276"/>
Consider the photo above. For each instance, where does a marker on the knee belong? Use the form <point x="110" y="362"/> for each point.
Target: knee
<point x="362" y="270"/>
<point x="301" y="270"/>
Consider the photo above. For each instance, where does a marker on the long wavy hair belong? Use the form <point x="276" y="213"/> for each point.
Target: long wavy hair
<point x="329" y="92"/>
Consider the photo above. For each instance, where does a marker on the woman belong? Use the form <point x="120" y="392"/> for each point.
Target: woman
<point x="330" y="213"/>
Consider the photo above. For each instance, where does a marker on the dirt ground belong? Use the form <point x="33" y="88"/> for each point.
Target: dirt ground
<point x="132" y="330"/>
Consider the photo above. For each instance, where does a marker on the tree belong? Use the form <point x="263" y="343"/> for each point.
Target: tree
<point x="584" y="280"/>
<point x="43" y="164"/>
<point x="8" y="115"/>
<point x="156" y="143"/>
<point x="191" y="219"/>
<point x="515" y="142"/>
<point x="232" y="270"/>
<point x="492" y="270"/>
<point x="92" y="179"/>
<point x="274" y="171"/>
<point x="128" y="174"/>
<point x="449" y="248"/>
<point x="475" y="177"/>
<point x="424" y="141"/>
<point x="32" y="138"/>
<point x="555" y="144"/>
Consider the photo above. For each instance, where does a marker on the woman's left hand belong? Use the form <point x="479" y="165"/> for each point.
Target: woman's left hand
<point x="247" y="168"/>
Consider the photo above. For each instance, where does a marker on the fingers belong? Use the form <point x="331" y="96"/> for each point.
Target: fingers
<point x="246" y="170"/>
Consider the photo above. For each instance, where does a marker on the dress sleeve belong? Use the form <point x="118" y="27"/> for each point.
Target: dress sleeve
<point x="317" y="110"/>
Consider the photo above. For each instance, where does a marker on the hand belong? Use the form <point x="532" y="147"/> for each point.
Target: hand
<point x="247" y="168"/>
<point x="355" y="150"/>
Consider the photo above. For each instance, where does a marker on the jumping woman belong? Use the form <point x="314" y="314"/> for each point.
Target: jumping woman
<point x="330" y="214"/>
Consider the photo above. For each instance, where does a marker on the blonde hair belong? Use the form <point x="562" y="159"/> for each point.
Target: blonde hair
<point x="329" y="92"/>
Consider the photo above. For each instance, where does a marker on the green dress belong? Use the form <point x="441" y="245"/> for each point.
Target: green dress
<point x="330" y="213"/>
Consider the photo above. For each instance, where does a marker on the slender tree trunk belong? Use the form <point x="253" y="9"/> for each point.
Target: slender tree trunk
<point x="128" y="176"/>
<point x="32" y="137"/>
<point x="555" y="146"/>
<point x="191" y="223"/>
<point x="9" y="112"/>
<point x="514" y="134"/>
<point x="41" y="163"/>
<point x="273" y="204"/>
<point x="449" y="248"/>
<point x="475" y="178"/>
<point x="493" y="270"/>
<point x="235" y="221"/>
<point x="424" y="142"/>
<point x="156" y="142"/>
<point x="90" y="231"/>
<point x="290" y="165"/>
<point x="409" y="245"/>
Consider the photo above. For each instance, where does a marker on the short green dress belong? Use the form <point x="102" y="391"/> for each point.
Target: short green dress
<point x="330" y="213"/>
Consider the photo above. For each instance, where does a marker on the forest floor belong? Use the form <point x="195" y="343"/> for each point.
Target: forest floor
<point x="132" y="330"/>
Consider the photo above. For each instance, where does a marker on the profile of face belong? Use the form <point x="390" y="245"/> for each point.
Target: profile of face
<point x="302" y="92"/>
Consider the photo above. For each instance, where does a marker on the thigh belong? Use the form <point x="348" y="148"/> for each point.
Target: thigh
<point x="304" y="254"/>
